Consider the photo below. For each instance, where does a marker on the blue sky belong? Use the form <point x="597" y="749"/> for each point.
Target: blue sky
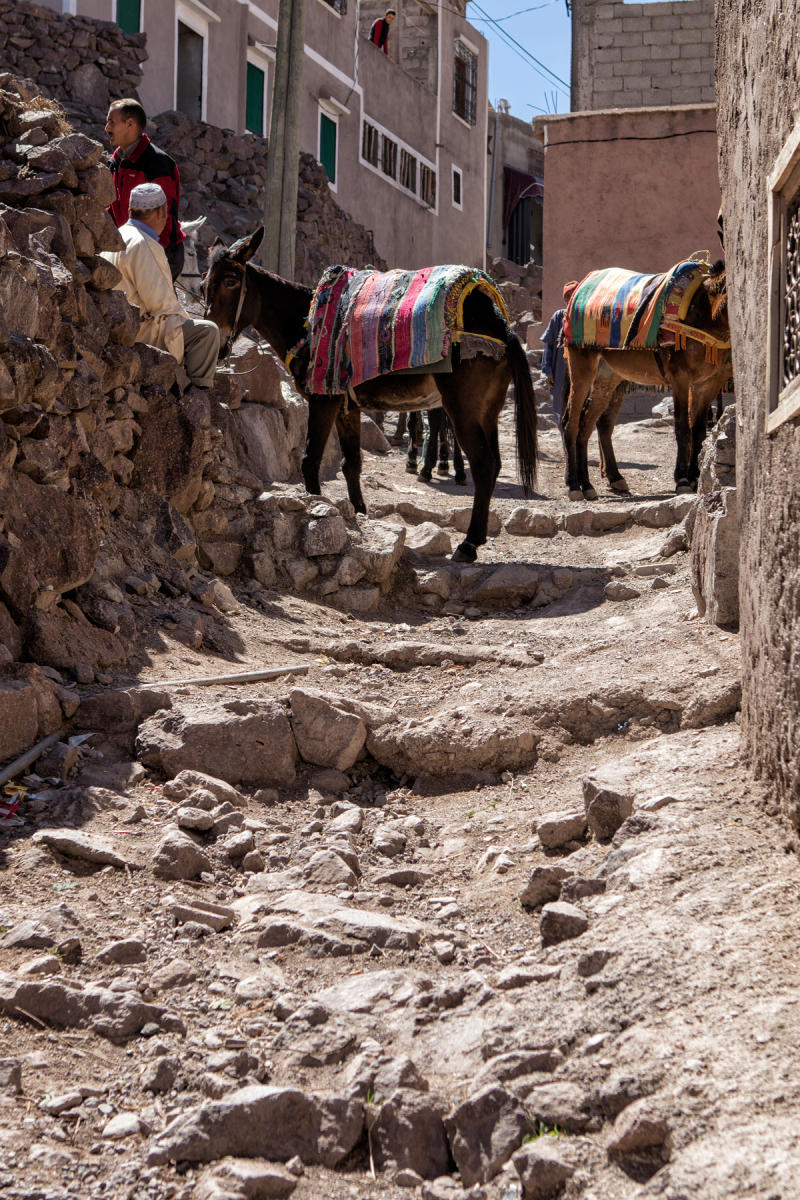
<point x="540" y="27"/>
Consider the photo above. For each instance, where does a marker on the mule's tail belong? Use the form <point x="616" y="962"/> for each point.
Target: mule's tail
<point x="525" y="412"/>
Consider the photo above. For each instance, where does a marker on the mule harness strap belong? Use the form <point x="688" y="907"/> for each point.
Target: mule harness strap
<point x="683" y="333"/>
<point x="458" y="335"/>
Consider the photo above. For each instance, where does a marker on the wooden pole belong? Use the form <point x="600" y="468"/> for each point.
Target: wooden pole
<point x="270" y="249"/>
<point x="291" y="143"/>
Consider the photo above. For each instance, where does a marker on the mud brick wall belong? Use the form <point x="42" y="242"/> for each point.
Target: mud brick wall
<point x="758" y="78"/>
<point x="642" y="55"/>
<point x="76" y="60"/>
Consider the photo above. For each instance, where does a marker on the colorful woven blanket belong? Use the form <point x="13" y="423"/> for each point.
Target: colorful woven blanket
<point x="363" y="324"/>
<point x="617" y="309"/>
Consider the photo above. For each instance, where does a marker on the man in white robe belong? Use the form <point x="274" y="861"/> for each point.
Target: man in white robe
<point x="147" y="282"/>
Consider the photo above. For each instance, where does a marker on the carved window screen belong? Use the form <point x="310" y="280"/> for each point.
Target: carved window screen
<point x="783" y="367"/>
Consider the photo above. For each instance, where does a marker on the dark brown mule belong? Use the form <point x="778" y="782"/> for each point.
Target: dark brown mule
<point x="694" y="374"/>
<point x="239" y="294"/>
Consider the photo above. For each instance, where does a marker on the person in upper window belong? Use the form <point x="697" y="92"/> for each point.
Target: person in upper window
<point x="146" y="281"/>
<point x="379" y="33"/>
<point x="137" y="160"/>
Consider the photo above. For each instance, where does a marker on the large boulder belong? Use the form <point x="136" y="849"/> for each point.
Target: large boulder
<point x="269" y="1122"/>
<point x="239" y="741"/>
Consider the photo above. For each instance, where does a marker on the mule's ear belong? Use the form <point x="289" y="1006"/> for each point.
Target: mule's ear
<point x="245" y="248"/>
<point x="216" y="242"/>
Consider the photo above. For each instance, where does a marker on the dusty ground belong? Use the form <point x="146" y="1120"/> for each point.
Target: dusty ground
<point x="689" y="1007"/>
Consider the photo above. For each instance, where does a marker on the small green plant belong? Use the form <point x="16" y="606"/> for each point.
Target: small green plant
<point x="542" y="1129"/>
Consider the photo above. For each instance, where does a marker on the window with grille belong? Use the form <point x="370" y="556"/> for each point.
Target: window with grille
<point x="129" y="15"/>
<point x="465" y="84"/>
<point x="370" y="143"/>
<point x="338" y="6"/>
<point x="457" y="188"/>
<point x="783" y="398"/>
<point x="408" y="171"/>
<point x="427" y="185"/>
<point x="389" y="157"/>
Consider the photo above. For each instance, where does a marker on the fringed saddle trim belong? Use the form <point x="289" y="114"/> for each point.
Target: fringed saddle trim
<point x="717" y="350"/>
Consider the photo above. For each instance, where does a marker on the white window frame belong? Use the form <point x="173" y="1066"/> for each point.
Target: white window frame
<point x="332" y="111"/>
<point x="264" y="62"/>
<point x="782" y="403"/>
<point x="457" y="171"/>
<point x="401" y="145"/>
<point x="331" y="9"/>
<point x="199" y="18"/>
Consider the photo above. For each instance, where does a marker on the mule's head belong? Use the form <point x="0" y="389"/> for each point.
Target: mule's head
<point x="224" y="287"/>
<point x="716" y="284"/>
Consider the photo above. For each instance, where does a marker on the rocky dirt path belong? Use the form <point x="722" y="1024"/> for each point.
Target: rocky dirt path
<point x="539" y="938"/>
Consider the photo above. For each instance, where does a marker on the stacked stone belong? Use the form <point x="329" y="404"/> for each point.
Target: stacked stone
<point x="223" y="177"/>
<point x="77" y="60"/>
<point x="115" y="487"/>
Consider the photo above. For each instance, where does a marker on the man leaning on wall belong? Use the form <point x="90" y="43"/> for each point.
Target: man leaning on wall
<point x="138" y="160"/>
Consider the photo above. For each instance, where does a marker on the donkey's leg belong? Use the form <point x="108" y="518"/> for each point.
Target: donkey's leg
<point x="430" y="443"/>
<point x="414" y="438"/>
<point x="683" y="436"/>
<point x="701" y="404"/>
<point x="472" y="399"/>
<point x="459" y="472"/>
<point x="582" y="370"/>
<point x="348" y="426"/>
<point x="321" y="415"/>
<point x="606" y="425"/>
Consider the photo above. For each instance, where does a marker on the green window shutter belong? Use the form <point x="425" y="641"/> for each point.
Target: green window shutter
<point x="254" y="108"/>
<point x="129" y="15"/>
<point x="327" y="146"/>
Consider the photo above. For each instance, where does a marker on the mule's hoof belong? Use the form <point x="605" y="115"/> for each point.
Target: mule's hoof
<point x="684" y="488"/>
<point x="460" y="479"/>
<point x="619" y="485"/>
<point x="443" y="469"/>
<point x="575" y="494"/>
<point x="466" y="553"/>
<point x="411" y="468"/>
<point x="425" y="476"/>
<point x="589" y="493"/>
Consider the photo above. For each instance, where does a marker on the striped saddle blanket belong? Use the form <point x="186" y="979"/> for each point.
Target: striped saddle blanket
<point x="363" y="324"/>
<point x="616" y="309"/>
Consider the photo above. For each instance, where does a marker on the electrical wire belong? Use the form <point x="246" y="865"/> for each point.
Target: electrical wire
<point x="512" y="42"/>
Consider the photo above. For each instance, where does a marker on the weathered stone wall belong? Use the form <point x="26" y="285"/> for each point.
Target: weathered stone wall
<point x="75" y="59"/>
<point x="758" y="79"/>
<point x="118" y="492"/>
<point x="223" y="177"/>
<point x="633" y="55"/>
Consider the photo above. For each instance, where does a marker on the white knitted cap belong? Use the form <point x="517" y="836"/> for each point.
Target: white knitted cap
<point x="146" y="196"/>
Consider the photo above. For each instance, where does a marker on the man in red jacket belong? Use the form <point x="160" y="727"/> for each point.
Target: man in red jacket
<point x="379" y="33"/>
<point x="137" y="160"/>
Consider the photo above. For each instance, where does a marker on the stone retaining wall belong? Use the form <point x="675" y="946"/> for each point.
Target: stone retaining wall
<point x="76" y="60"/>
<point x="123" y="501"/>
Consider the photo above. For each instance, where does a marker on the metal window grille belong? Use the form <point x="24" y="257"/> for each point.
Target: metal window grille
<point x="370" y="143"/>
<point x="427" y="185"/>
<point x="456" y="186"/>
<point x="465" y="84"/>
<point x="338" y="6"/>
<point x="791" y="295"/>
<point x="408" y="171"/>
<point x="389" y="157"/>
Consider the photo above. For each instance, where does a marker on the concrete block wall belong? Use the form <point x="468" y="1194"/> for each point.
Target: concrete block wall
<point x="642" y="55"/>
